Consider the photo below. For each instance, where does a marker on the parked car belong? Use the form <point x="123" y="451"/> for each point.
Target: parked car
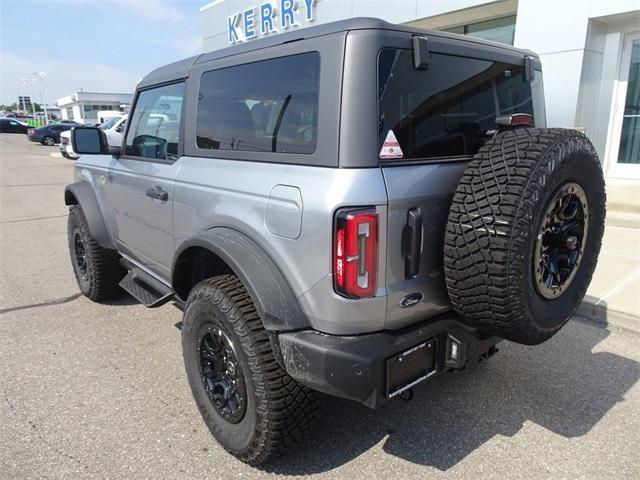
<point x="11" y="125"/>
<point x="113" y="128"/>
<point x="104" y="115"/>
<point x="49" y="134"/>
<point x="115" y="131"/>
<point x="66" y="148"/>
<point x="354" y="244"/>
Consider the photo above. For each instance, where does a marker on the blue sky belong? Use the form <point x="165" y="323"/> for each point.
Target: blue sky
<point x="97" y="45"/>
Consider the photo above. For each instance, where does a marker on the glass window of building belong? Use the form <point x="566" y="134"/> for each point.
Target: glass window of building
<point x="498" y="30"/>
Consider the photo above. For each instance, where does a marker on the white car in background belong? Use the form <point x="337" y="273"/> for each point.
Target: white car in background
<point x="113" y="128"/>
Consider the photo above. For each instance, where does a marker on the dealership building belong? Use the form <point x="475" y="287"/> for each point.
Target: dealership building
<point x="83" y="107"/>
<point x="590" y="51"/>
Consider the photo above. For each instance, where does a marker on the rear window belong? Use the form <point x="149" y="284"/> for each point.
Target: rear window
<point x="266" y="106"/>
<point x="445" y="110"/>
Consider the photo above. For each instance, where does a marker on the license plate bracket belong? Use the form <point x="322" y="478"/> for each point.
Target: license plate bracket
<point x="408" y="368"/>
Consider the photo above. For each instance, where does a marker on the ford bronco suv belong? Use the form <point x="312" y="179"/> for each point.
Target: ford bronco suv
<point x="350" y="208"/>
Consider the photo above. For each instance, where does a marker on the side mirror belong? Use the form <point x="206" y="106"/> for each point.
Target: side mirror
<point x="89" y="141"/>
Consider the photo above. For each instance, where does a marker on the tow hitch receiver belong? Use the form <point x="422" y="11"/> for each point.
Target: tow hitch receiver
<point x="411" y="367"/>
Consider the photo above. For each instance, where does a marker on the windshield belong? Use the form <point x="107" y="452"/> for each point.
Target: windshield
<point x="108" y="123"/>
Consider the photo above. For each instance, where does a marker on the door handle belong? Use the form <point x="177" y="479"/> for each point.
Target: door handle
<point x="158" y="193"/>
<point x="412" y="243"/>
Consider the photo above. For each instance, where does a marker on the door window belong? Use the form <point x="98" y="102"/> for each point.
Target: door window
<point x="155" y="123"/>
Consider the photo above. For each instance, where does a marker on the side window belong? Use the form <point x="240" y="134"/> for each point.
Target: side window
<point x="155" y="123"/>
<point x="446" y="110"/>
<point x="266" y="106"/>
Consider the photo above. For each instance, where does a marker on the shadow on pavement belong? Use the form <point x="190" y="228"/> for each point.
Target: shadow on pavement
<point x="561" y="385"/>
<point x="122" y="300"/>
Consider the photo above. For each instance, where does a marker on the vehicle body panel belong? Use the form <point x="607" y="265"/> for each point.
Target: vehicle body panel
<point x="142" y="226"/>
<point x="211" y="193"/>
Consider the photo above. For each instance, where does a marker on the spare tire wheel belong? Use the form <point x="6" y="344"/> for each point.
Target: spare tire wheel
<point x="524" y="232"/>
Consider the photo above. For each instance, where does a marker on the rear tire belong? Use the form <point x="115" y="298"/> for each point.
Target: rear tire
<point x="49" y="141"/>
<point x="97" y="269"/>
<point x="265" y="410"/>
<point x="500" y="227"/>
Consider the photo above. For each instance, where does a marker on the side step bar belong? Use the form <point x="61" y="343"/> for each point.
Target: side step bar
<point x="143" y="287"/>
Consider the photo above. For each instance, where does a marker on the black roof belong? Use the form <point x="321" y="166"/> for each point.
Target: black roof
<point x="180" y="69"/>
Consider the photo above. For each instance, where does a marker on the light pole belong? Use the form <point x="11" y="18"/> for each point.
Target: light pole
<point x="41" y="76"/>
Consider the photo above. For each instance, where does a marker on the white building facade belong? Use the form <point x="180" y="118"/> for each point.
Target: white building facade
<point x="590" y="51"/>
<point x="83" y="107"/>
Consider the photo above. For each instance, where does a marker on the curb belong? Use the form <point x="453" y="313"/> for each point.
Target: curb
<point x="607" y="317"/>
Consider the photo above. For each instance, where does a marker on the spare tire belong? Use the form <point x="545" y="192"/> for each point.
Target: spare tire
<point x="524" y="232"/>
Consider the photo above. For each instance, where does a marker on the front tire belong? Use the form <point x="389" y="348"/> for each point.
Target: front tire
<point x="252" y="407"/>
<point x="97" y="269"/>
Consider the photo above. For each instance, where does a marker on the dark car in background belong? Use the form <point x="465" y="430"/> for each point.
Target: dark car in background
<point x="49" y="134"/>
<point x="11" y="125"/>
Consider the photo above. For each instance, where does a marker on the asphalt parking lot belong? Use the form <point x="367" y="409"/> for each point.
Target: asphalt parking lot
<point x="98" y="391"/>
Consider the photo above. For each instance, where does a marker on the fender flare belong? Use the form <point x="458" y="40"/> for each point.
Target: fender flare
<point x="272" y="295"/>
<point x="81" y="193"/>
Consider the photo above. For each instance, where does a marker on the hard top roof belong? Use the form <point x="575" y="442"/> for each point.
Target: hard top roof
<point x="181" y="68"/>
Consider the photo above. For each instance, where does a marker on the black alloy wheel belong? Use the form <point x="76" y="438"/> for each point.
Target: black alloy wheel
<point x="222" y="376"/>
<point x="80" y="254"/>
<point x="561" y="240"/>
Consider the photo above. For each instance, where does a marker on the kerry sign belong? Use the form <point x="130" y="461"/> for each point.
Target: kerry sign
<point x="269" y="17"/>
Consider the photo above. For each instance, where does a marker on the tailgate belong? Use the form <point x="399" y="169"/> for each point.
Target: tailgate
<point x="431" y="122"/>
<point x="419" y="199"/>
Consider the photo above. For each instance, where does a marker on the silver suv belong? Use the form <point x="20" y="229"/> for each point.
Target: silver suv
<point x="351" y="208"/>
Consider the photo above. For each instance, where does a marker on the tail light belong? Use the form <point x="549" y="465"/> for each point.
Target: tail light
<point x="30" y="131"/>
<point x="355" y="252"/>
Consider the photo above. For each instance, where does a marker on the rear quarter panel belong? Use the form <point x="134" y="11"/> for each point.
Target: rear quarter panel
<point x="211" y="193"/>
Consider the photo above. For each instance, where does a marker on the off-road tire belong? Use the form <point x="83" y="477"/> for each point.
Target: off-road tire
<point x="494" y="222"/>
<point x="279" y="410"/>
<point x="103" y="270"/>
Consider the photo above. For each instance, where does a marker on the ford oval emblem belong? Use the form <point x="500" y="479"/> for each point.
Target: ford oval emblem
<point x="411" y="300"/>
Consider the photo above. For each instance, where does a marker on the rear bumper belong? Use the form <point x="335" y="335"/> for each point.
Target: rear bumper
<point x="356" y="367"/>
<point x="33" y="139"/>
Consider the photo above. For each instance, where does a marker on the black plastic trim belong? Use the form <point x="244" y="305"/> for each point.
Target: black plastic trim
<point x="420" y="52"/>
<point x="83" y="192"/>
<point x="354" y="367"/>
<point x="275" y="301"/>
